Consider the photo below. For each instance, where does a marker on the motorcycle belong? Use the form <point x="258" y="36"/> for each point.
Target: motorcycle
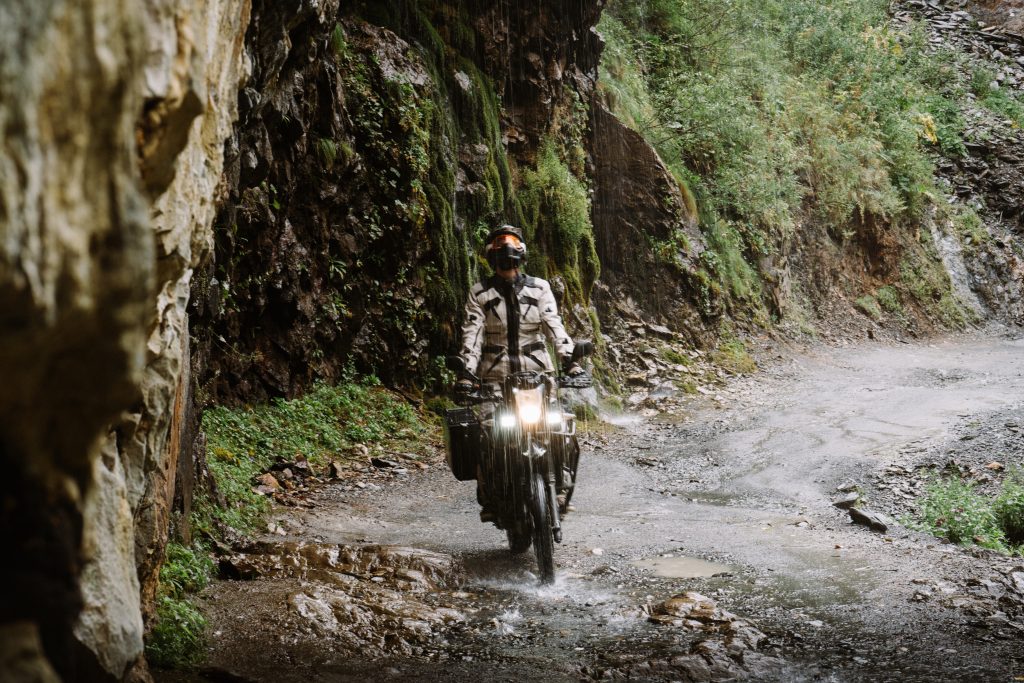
<point x="521" y="447"/>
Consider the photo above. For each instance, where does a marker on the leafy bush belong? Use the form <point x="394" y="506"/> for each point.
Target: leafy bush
<point x="889" y="299"/>
<point x="952" y="509"/>
<point x="178" y="635"/>
<point x="770" y="110"/>
<point x="185" y="570"/>
<point x="178" y="632"/>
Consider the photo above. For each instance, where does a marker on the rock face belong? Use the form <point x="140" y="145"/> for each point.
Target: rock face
<point x="370" y="159"/>
<point x="106" y="198"/>
<point x="188" y="89"/>
<point x="76" y="279"/>
<point x="640" y="220"/>
<point x="535" y="54"/>
<point x="989" y="174"/>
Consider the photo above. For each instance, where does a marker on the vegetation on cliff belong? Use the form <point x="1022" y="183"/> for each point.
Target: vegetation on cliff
<point x="792" y="119"/>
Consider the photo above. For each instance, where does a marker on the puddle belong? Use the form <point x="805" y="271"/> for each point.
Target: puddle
<point x="681" y="567"/>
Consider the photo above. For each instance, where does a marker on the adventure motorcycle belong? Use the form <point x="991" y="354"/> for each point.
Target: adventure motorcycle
<point x="521" y="447"/>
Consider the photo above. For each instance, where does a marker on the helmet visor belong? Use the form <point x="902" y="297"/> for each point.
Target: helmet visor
<point x="501" y="240"/>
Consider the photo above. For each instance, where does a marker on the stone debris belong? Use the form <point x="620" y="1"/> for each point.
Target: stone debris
<point x="374" y="600"/>
<point x="695" y="611"/>
<point x="875" y="520"/>
<point x="847" y="501"/>
<point x="267" y="483"/>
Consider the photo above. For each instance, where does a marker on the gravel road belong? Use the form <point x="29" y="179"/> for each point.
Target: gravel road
<point x="733" y="503"/>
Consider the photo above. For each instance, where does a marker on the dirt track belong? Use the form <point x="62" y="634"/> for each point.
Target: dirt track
<point x="748" y="485"/>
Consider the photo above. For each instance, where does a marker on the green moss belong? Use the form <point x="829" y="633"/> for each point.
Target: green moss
<point x="673" y="356"/>
<point x="970" y="228"/>
<point x="686" y="385"/>
<point x="555" y="209"/>
<point x="725" y="261"/>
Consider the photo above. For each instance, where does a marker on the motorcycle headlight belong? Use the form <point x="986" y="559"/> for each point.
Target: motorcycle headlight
<point x="530" y="405"/>
<point x="506" y="420"/>
<point x="554" y="417"/>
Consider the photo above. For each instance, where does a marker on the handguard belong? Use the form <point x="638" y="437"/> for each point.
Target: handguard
<point x="581" y="381"/>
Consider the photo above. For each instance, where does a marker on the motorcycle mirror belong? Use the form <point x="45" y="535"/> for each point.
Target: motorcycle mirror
<point x="582" y="349"/>
<point x="455" y="363"/>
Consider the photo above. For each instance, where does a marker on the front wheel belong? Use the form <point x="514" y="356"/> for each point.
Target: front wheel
<point x="518" y="541"/>
<point x="543" y="540"/>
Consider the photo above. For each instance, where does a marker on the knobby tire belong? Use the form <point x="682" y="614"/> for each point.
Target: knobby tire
<point x="543" y="540"/>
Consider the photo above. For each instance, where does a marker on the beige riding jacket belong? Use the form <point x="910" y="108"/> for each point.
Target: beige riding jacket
<point x="506" y="325"/>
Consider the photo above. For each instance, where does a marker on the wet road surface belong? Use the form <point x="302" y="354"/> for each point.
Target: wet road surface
<point x="747" y="486"/>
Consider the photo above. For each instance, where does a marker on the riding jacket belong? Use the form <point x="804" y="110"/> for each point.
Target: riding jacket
<point x="506" y="326"/>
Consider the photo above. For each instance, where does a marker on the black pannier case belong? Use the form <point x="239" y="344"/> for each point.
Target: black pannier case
<point x="463" y="439"/>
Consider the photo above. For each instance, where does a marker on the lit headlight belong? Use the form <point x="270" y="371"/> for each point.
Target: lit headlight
<point x="529" y="405"/>
<point x="507" y="420"/>
<point x="554" y="417"/>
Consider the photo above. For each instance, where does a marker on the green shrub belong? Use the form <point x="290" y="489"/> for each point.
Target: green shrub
<point x="185" y="570"/>
<point x="1008" y="508"/>
<point x="982" y="79"/>
<point x="771" y="110"/>
<point x="953" y="510"/>
<point x="889" y="299"/>
<point x="178" y="632"/>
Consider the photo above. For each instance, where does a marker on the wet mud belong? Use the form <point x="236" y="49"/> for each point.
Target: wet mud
<point x="405" y="583"/>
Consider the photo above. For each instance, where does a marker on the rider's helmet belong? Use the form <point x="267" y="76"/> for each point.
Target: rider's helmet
<point x="505" y="248"/>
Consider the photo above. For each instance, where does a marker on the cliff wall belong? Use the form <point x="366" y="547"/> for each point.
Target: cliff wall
<point x="114" y="116"/>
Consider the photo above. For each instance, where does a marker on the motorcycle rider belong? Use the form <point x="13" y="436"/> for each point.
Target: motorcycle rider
<point x="508" y="317"/>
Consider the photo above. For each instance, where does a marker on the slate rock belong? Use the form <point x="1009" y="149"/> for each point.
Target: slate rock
<point x="875" y="520"/>
<point x="847" y="501"/>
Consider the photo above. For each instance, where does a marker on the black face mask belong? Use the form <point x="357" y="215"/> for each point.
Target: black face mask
<point x="507" y="257"/>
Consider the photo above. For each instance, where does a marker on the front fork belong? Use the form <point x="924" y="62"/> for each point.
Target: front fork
<point x="537" y="455"/>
